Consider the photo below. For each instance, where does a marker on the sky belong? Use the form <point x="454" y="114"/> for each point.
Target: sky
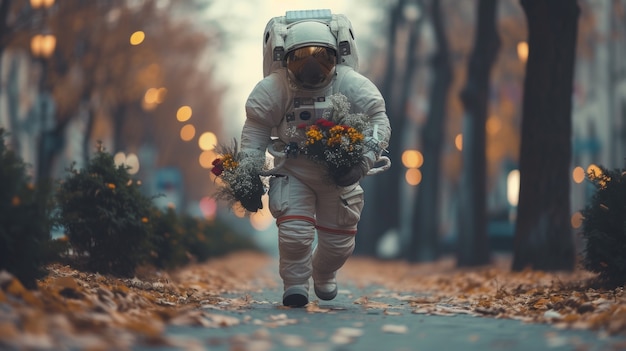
<point x="240" y="64"/>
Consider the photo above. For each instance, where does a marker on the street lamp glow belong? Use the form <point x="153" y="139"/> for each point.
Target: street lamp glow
<point x="578" y="174"/>
<point x="41" y="3"/>
<point x="207" y="141"/>
<point x="151" y="96"/>
<point x="458" y="142"/>
<point x="577" y="220"/>
<point x="187" y="132"/>
<point x="137" y="37"/>
<point x="132" y="161"/>
<point x="206" y="159"/>
<point x="119" y="158"/>
<point x="522" y="51"/>
<point x="160" y="96"/>
<point x="413" y="176"/>
<point x="42" y="45"/>
<point x="512" y="187"/>
<point x="594" y="170"/>
<point x="262" y="219"/>
<point x="183" y="114"/>
<point x="412" y="159"/>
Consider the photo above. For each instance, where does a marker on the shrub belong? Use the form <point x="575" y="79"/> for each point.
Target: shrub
<point x="25" y="241"/>
<point x="206" y="239"/>
<point x="604" y="227"/>
<point x="180" y="238"/>
<point x="105" y="216"/>
<point x="169" y="247"/>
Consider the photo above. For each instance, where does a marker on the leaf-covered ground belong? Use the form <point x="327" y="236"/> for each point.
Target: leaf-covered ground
<point x="73" y="309"/>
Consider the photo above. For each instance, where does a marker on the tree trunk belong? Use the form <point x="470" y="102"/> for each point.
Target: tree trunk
<point x="4" y="14"/>
<point x="424" y="229"/>
<point x="472" y="243"/>
<point x="543" y="236"/>
<point x="384" y="187"/>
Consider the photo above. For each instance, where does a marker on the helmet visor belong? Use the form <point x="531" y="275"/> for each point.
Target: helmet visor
<point x="312" y="66"/>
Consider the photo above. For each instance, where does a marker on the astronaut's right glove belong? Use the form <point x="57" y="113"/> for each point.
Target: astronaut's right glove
<point x="249" y="192"/>
<point x="357" y="171"/>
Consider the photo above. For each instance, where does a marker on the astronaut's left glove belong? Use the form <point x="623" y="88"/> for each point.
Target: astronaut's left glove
<point x="357" y="171"/>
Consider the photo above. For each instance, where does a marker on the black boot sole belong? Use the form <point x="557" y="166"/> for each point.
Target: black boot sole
<point x="295" y="300"/>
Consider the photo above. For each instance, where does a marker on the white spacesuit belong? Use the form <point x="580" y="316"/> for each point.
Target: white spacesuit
<point x="301" y="198"/>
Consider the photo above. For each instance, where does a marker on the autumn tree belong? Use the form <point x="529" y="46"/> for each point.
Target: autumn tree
<point x="95" y="74"/>
<point x="17" y="20"/>
<point x="385" y="190"/>
<point x="543" y="237"/>
<point x="424" y="229"/>
<point x="472" y="245"/>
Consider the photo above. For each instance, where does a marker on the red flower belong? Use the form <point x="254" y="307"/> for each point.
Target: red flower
<point x="301" y="125"/>
<point x="218" y="167"/>
<point x="325" y="123"/>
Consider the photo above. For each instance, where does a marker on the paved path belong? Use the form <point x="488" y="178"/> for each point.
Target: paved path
<point x="384" y="323"/>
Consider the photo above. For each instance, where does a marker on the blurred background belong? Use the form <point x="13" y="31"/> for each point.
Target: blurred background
<point x="162" y="82"/>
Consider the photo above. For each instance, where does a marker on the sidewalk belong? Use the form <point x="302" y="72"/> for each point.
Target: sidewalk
<point x="371" y="319"/>
<point x="400" y="306"/>
<point x="234" y="303"/>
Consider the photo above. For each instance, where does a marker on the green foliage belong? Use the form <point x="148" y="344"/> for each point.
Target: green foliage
<point x="110" y="226"/>
<point x="178" y="239"/>
<point x="205" y="239"/>
<point x="169" y="249"/>
<point x="105" y="216"/>
<point x="25" y="242"/>
<point x="604" y="227"/>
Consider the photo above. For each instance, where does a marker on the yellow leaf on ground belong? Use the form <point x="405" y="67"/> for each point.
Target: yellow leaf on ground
<point x="16" y="289"/>
<point x="8" y="331"/>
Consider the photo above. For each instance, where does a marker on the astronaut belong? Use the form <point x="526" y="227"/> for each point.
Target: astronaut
<point x="301" y="198"/>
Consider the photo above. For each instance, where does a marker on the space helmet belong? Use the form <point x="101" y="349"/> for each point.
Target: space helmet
<point x="311" y="54"/>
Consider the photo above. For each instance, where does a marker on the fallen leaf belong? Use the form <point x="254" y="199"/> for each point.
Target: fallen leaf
<point x="395" y="328"/>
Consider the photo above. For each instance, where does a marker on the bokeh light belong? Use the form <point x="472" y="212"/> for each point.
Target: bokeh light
<point x="208" y="207"/>
<point x="594" y="169"/>
<point x="238" y="210"/>
<point x="160" y="96"/>
<point x="119" y="158"/>
<point x="137" y="37"/>
<point x="183" y="114"/>
<point x="413" y="176"/>
<point x="262" y="219"/>
<point x="207" y="141"/>
<point x="577" y="220"/>
<point x="187" y="132"/>
<point x="132" y="161"/>
<point x="578" y="174"/>
<point x="522" y="51"/>
<point x="412" y="159"/>
<point x="512" y="187"/>
<point x="458" y="142"/>
<point x="206" y="159"/>
<point x="494" y="124"/>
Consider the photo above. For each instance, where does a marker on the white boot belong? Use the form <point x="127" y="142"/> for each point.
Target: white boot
<point x="331" y="253"/>
<point x="295" y="239"/>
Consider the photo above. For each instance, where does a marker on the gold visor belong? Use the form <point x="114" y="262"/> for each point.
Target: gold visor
<point x="312" y="66"/>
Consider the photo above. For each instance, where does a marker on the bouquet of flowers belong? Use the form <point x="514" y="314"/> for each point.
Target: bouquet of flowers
<point x="337" y="140"/>
<point x="240" y="176"/>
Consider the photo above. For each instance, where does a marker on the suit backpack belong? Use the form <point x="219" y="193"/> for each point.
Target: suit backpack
<point x="277" y="28"/>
